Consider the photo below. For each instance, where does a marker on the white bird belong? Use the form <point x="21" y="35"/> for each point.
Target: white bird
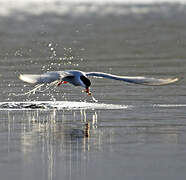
<point x="80" y="78"/>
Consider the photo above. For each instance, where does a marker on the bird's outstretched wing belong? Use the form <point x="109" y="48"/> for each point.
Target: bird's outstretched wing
<point x="44" y="78"/>
<point x="136" y="79"/>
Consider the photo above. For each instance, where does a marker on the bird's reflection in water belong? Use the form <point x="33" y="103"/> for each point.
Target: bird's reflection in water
<point x="59" y="138"/>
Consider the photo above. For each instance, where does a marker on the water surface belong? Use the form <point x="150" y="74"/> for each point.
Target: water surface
<point x="144" y="140"/>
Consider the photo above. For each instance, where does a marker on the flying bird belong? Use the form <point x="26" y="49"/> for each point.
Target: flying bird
<point x="80" y="78"/>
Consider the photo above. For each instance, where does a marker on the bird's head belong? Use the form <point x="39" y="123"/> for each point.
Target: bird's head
<point x="86" y="83"/>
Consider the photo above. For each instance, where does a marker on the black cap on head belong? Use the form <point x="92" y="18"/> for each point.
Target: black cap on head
<point x="86" y="81"/>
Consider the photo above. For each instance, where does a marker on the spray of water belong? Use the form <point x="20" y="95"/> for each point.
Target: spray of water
<point x="52" y="86"/>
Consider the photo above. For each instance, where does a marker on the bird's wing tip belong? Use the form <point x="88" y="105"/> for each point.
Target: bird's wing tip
<point x="28" y="78"/>
<point x="173" y="80"/>
<point x="158" y="82"/>
<point x="170" y="81"/>
<point x="176" y="79"/>
<point x="20" y="76"/>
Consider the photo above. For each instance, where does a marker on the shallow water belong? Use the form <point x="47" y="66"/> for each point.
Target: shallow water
<point x="132" y="132"/>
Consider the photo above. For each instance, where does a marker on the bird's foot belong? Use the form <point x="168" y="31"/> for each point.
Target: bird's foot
<point x="87" y="90"/>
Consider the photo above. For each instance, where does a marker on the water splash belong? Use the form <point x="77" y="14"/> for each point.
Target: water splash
<point x="33" y="91"/>
<point x="58" y="105"/>
<point x="56" y="62"/>
<point x="94" y="99"/>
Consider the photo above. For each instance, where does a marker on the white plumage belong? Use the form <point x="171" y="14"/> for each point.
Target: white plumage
<point x="79" y="78"/>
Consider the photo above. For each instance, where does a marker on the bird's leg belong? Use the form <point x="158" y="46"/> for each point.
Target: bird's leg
<point x="61" y="82"/>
